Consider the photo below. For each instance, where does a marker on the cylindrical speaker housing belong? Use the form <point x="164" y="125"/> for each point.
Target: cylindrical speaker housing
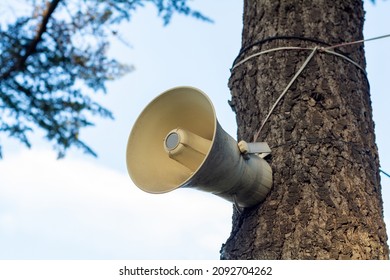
<point x="222" y="171"/>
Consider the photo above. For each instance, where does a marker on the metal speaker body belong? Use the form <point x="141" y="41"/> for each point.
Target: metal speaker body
<point x="177" y="142"/>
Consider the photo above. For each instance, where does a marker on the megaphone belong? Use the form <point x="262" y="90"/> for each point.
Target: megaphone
<point x="177" y="142"/>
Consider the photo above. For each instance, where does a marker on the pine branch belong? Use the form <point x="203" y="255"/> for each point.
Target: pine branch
<point x="31" y="48"/>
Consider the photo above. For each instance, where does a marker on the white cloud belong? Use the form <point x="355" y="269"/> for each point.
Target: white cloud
<point x="72" y="209"/>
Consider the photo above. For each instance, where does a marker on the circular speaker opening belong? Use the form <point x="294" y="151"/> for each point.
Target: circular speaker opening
<point x="172" y="141"/>
<point x="154" y="135"/>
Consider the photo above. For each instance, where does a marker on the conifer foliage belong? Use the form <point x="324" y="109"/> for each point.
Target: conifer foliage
<point x="53" y="57"/>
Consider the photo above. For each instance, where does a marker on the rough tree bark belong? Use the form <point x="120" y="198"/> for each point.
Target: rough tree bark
<point x="326" y="198"/>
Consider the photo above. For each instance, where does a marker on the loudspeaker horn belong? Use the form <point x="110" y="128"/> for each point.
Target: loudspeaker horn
<point x="177" y="142"/>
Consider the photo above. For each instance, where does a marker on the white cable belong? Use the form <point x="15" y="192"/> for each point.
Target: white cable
<point x="357" y="42"/>
<point x="285" y="91"/>
<point x="267" y="51"/>
<point x="315" y="49"/>
<point x="388" y="175"/>
<point x="345" y="57"/>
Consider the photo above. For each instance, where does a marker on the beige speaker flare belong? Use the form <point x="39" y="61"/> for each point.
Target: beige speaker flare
<point x="177" y="142"/>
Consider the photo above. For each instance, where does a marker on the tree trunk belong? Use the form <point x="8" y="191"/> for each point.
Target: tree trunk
<point x="326" y="201"/>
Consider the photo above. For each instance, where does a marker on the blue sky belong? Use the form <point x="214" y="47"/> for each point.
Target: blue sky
<point x="87" y="208"/>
